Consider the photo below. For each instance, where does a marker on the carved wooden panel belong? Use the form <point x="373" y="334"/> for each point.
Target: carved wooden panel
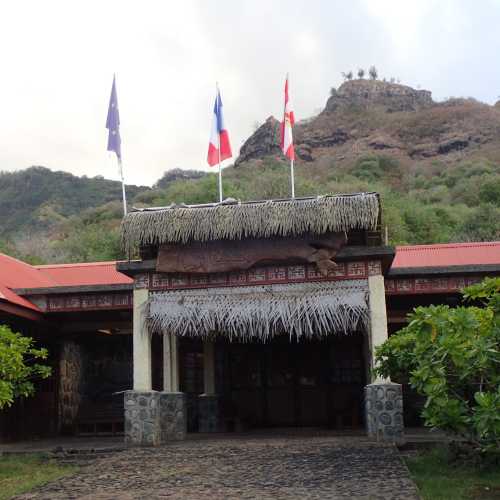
<point x="225" y="256"/>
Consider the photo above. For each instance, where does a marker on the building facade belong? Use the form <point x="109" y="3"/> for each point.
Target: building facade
<point x="236" y="316"/>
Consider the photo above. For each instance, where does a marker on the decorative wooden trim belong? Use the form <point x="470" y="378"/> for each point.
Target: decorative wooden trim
<point x="266" y="275"/>
<point x="412" y="286"/>
<point x="89" y="302"/>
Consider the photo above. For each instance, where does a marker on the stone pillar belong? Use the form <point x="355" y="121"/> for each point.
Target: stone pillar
<point x="141" y="344"/>
<point x="383" y="399"/>
<point x="142" y="418"/>
<point x="70" y="381"/>
<point x="173" y="416"/>
<point x="209" y="411"/>
<point x="384" y="412"/>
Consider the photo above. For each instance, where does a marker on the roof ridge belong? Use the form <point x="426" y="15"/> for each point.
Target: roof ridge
<point x="76" y="264"/>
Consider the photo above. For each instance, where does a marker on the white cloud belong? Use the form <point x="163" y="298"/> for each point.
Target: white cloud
<point x="58" y="58"/>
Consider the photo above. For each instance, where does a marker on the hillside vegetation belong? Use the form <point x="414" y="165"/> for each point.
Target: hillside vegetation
<point x="436" y="166"/>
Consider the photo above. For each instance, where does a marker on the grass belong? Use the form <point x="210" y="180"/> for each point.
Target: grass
<point x="19" y="474"/>
<point x="438" y="479"/>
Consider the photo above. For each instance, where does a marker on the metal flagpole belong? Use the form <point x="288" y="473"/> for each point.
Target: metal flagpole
<point x="120" y="166"/>
<point x="218" y="140"/>
<point x="293" y="178"/>
<point x="220" y="176"/>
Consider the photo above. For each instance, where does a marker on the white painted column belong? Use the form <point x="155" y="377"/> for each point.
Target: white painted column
<point x="378" y="319"/>
<point x="174" y="356"/>
<point x="167" y="363"/>
<point x="170" y="363"/>
<point x="141" y="344"/>
<point x="209" y="367"/>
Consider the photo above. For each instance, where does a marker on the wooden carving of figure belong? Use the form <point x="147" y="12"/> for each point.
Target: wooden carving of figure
<point x="234" y="255"/>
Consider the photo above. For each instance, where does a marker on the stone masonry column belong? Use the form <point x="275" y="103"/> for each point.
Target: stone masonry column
<point x="383" y="399"/>
<point x="209" y="412"/>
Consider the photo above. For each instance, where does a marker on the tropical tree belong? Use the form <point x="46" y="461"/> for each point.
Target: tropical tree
<point x="19" y="366"/>
<point x="452" y="357"/>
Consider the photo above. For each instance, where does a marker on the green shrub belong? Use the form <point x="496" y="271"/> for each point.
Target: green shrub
<point x="452" y="357"/>
<point x="18" y="366"/>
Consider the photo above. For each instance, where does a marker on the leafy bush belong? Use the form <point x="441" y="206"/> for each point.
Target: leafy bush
<point x="18" y="366"/>
<point x="452" y="357"/>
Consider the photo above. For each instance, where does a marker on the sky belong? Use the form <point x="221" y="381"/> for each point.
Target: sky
<point x="58" y="59"/>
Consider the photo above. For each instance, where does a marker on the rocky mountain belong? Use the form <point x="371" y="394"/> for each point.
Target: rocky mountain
<point x="369" y="116"/>
<point x="436" y="165"/>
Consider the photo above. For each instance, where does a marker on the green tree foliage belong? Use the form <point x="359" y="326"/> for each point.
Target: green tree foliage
<point x="373" y="73"/>
<point x="26" y="197"/>
<point x="452" y="357"/>
<point x="421" y="204"/>
<point x="19" y="366"/>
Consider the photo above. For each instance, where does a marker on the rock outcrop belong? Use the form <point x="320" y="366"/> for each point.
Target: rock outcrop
<point x="263" y="142"/>
<point x="391" y="96"/>
<point x="380" y="118"/>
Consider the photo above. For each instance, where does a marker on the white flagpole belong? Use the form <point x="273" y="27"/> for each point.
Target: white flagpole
<point x="220" y="177"/>
<point x="293" y="178"/>
<point x="120" y="166"/>
<point x="218" y="148"/>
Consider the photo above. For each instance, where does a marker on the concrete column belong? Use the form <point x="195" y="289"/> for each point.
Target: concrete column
<point x="209" y="368"/>
<point x="378" y="319"/>
<point x="170" y="363"/>
<point x="167" y="364"/>
<point x="174" y="356"/>
<point x="141" y="344"/>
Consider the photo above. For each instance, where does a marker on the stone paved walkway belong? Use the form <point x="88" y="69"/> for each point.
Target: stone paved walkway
<point x="251" y="468"/>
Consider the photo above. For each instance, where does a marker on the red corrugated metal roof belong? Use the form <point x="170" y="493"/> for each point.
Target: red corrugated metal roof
<point x="91" y="273"/>
<point x="17" y="274"/>
<point x="448" y="254"/>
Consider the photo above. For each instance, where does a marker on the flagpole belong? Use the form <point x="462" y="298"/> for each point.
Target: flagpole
<point x="292" y="178"/>
<point x="220" y="177"/>
<point x="218" y="148"/>
<point x="124" y="197"/>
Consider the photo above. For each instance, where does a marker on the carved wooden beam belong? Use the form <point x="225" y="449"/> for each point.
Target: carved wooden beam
<point x="223" y="256"/>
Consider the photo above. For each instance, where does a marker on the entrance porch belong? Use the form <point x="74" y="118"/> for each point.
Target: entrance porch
<point x="287" y="300"/>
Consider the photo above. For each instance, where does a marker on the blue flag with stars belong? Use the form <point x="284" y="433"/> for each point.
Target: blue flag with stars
<point x="113" y="123"/>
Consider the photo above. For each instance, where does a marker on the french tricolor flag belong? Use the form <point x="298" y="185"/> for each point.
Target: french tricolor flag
<point x="219" y="148"/>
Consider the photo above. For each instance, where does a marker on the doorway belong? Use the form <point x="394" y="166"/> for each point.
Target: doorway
<point x="303" y="383"/>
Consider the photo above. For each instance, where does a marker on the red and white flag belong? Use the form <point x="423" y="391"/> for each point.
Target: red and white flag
<point x="287" y="125"/>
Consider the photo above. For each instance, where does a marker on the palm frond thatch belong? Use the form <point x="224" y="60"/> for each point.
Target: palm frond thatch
<point x="235" y="221"/>
<point x="261" y="312"/>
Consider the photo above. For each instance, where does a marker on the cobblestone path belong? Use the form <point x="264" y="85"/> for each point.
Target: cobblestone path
<point x="251" y="468"/>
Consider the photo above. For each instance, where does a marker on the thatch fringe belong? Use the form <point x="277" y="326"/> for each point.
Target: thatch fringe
<point x="235" y="221"/>
<point x="261" y="312"/>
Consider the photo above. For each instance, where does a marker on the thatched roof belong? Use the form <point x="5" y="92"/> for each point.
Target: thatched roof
<point x="233" y="220"/>
<point x="261" y="312"/>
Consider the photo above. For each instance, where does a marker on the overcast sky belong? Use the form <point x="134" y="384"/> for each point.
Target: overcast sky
<point x="58" y="58"/>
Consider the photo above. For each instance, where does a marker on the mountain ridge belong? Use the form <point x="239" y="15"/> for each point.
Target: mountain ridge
<point x="436" y="165"/>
